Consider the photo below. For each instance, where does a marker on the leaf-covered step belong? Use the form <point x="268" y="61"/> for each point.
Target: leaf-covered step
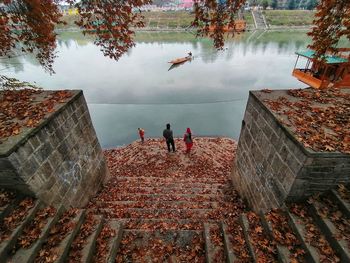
<point x="342" y="197"/>
<point x="61" y="235"/>
<point x="264" y="249"/>
<point x="245" y="226"/>
<point x="214" y="243"/>
<point x="236" y="240"/>
<point x="83" y="245"/>
<point x="107" y="242"/>
<point x="168" y="190"/>
<point x="163" y="224"/>
<point x="288" y="245"/>
<point x="334" y="225"/>
<point x="8" y="202"/>
<point x="165" y="197"/>
<point x="161" y="246"/>
<point x="312" y="239"/>
<point x="14" y="223"/>
<point x="168" y="180"/>
<point x="228" y="247"/>
<point x="34" y="235"/>
<point x="164" y="205"/>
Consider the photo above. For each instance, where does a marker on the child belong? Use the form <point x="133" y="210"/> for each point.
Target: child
<point x="142" y="134"/>
<point x="188" y="140"/>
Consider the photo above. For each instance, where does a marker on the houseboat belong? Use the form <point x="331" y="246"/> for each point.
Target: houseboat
<point x="332" y="71"/>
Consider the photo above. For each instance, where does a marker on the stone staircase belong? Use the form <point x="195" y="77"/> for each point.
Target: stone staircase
<point x="259" y="19"/>
<point x="174" y="208"/>
<point x="314" y="231"/>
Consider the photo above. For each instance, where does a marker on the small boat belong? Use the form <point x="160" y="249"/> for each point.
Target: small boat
<point x="180" y="60"/>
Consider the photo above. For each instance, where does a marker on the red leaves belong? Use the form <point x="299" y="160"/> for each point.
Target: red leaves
<point x="313" y="235"/>
<point x="265" y="250"/>
<point x="319" y="118"/>
<point x="85" y="231"/>
<point x="32" y="232"/>
<point x="26" y="108"/>
<point x="332" y="21"/>
<point x="102" y="243"/>
<point x="58" y="232"/>
<point x="15" y="218"/>
<point x="283" y="235"/>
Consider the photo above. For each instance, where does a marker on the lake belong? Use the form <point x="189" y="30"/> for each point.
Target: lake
<point x="208" y="94"/>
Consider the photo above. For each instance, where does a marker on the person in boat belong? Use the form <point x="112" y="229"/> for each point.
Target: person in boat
<point x="168" y="135"/>
<point x="188" y="140"/>
<point x="141" y="134"/>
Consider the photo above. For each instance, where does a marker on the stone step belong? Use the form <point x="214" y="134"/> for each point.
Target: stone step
<point x="65" y="245"/>
<point x="89" y="248"/>
<point x="145" y="213"/>
<point x="166" y="197"/>
<point x="8" y="243"/>
<point x="245" y="225"/>
<point x="166" y="184"/>
<point x="171" y="180"/>
<point x="283" y="252"/>
<point x="228" y="247"/>
<point x="343" y="204"/>
<point x="164" y="204"/>
<point x="61" y="235"/>
<point x="262" y="247"/>
<point x="299" y="229"/>
<point x="163" y="224"/>
<point x="26" y="255"/>
<point x="114" y="242"/>
<point x="161" y="246"/>
<point x="8" y="208"/>
<point x="170" y="190"/>
<point x="329" y="229"/>
<point x="214" y="243"/>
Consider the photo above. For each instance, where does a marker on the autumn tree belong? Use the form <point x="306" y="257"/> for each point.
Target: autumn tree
<point x="28" y="26"/>
<point x="332" y="21"/>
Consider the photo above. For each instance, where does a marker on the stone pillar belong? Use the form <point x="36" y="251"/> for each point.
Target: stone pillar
<point x="60" y="161"/>
<point x="272" y="166"/>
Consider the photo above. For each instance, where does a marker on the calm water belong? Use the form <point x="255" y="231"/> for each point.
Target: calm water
<point x="208" y="94"/>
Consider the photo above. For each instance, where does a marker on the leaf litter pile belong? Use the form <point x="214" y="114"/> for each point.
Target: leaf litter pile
<point x="32" y="232"/>
<point x="26" y="108"/>
<point x="50" y="250"/>
<point x="15" y="218"/>
<point x="103" y="242"/>
<point x="313" y="235"/>
<point x="87" y="228"/>
<point x="320" y="119"/>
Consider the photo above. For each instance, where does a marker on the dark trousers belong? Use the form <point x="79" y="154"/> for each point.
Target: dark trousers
<point x="168" y="142"/>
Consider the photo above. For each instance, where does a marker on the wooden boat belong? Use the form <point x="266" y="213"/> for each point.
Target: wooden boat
<point x="239" y="26"/>
<point x="180" y="60"/>
<point x="332" y="71"/>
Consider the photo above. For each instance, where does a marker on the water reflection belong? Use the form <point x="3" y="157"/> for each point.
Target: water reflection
<point x="121" y="94"/>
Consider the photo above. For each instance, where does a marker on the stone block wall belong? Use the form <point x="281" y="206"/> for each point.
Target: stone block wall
<point x="272" y="166"/>
<point x="61" y="161"/>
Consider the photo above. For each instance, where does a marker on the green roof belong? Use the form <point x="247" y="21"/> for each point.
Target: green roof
<point x="329" y="59"/>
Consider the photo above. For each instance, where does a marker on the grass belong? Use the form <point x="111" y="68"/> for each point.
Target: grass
<point x="289" y="17"/>
<point x="183" y="19"/>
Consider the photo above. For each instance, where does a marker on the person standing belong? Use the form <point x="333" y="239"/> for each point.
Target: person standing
<point x="188" y="140"/>
<point x="142" y="134"/>
<point x="168" y="135"/>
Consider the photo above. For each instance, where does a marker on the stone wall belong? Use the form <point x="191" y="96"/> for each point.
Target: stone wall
<point x="272" y="166"/>
<point x="61" y="161"/>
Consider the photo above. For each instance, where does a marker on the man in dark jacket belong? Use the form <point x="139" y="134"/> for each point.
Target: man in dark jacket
<point x="168" y="135"/>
